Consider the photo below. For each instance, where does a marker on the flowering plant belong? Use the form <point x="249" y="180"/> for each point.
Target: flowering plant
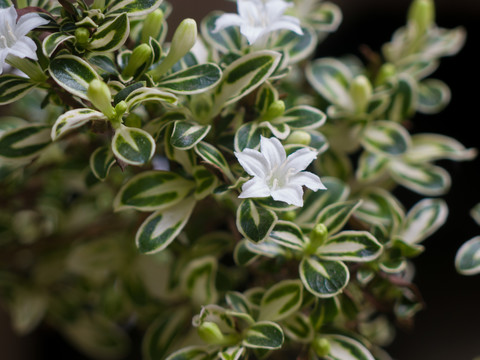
<point x="223" y="194"/>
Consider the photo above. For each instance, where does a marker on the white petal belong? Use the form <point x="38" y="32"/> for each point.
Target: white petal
<point x="25" y="47"/>
<point x="252" y="33"/>
<point x="307" y="179"/>
<point x="250" y="10"/>
<point x="300" y="159"/>
<point x="3" y="55"/>
<point x="291" y="194"/>
<point x="7" y="15"/>
<point x="276" y="8"/>
<point x="28" y="22"/>
<point x="254" y="188"/>
<point x="273" y="151"/>
<point x="227" y="20"/>
<point x="253" y="162"/>
<point x="286" y="23"/>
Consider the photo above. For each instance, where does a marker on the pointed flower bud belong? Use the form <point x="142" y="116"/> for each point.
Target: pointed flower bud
<point x="210" y="333"/>
<point x="422" y="14"/>
<point x="318" y="236"/>
<point x="152" y="26"/>
<point x="183" y="40"/>
<point x="140" y="55"/>
<point x="99" y="95"/>
<point x="361" y="91"/>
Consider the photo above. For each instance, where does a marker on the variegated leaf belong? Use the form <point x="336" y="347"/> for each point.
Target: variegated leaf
<point x="323" y="278"/>
<point x="433" y="96"/>
<point x="153" y="191"/>
<point x="247" y="136"/>
<point x="359" y="246"/>
<point x="303" y="117"/>
<point x="52" y="41"/>
<point x="298" y="47"/>
<point x="281" y="300"/>
<point x="144" y="94"/>
<point x="193" y="80"/>
<point x="242" y="255"/>
<point x="346" y="348"/>
<point x="218" y="315"/>
<point x="386" y="138"/>
<point x="73" y="74"/>
<point x="266" y="95"/>
<point x="24" y="142"/>
<point x="213" y="156"/>
<point x="134" y="7"/>
<point x="187" y="134"/>
<point x="264" y="335"/>
<point x="238" y="302"/>
<point x="13" y="87"/>
<point x="133" y="146"/>
<point x="255" y="222"/>
<point x="198" y="280"/>
<point x="431" y="147"/>
<point x="101" y="161"/>
<point x="404" y="99"/>
<point x="162" y="227"/>
<point x="266" y="248"/>
<point x="326" y="17"/>
<point x="226" y="40"/>
<point x="467" y="260"/>
<point x="191" y="353"/>
<point x="298" y="327"/>
<point x="205" y="182"/>
<point x="289" y="235"/>
<point x="334" y="216"/>
<point x="371" y="166"/>
<point x="74" y="119"/>
<point x="232" y="353"/>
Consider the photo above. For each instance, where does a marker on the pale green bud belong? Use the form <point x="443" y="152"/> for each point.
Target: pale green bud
<point x="99" y="95"/>
<point x="321" y="346"/>
<point x="361" y="91"/>
<point x="152" y="26"/>
<point x="318" y="236"/>
<point x="210" y="333"/>
<point x="386" y="72"/>
<point x="276" y="109"/>
<point x="82" y="36"/>
<point x="299" y="137"/>
<point x="183" y="40"/>
<point x="140" y="55"/>
<point x="120" y="108"/>
<point x="422" y="14"/>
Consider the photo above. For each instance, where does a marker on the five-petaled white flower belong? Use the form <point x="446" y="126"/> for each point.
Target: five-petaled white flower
<point x="13" y="39"/>
<point x="257" y="18"/>
<point x="275" y="174"/>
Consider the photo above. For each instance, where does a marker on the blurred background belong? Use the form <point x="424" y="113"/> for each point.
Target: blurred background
<point x="448" y="328"/>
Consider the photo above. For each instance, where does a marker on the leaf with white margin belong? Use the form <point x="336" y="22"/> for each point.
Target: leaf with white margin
<point x="359" y="246"/>
<point x="371" y="166"/>
<point x="242" y="255"/>
<point x="24" y="142"/>
<point x="111" y="35"/>
<point x="213" y="156"/>
<point x="323" y="278"/>
<point x="193" y="80"/>
<point x="191" y="353"/>
<point x="298" y="327"/>
<point x="232" y="353"/>
<point x="281" y="300"/>
<point x="247" y="136"/>
<point x="425" y="179"/>
<point x="74" y="119"/>
<point x="187" y="134"/>
<point x="73" y="74"/>
<point x="134" y="7"/>
<point x="433" y="96"/>
<point x="13" y="87"/>
<point x="346" y="348"/>
<point x="218" y="315"/>
<point x="254" y="222"/>
<point x="424" y="219"/>
<point x="403" y="100"/>
<point x="279" y="130"/>
<point x="431" y="147"/>
<point x="266" y="248"/>
<point x="264" y="335"/>
<point x="152" y="191"/>
<point x="144" y="94"/>
<point x="297" y="46"/>
<point x="386" y="138"/>
<point x="205" y="182"/>
<point x="331" y="78"/>
<point x="198" y="280"/>
<point x="52" y="41"/>
<point x="289" y="235"/>
<point x="467" y="260"/>
<point x="303" y="117"/>
<point x="133" y="146"/>
<point x="326" y="17"/>
<point x="335" y="216"/>
<point x="238" y="302"/>
<point x="101" y="161"/>
<point x="162" y="227"/>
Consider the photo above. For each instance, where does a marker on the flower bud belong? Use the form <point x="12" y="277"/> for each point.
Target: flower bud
<point x="276" y="109"/>
<point x="183" y="40"/>
<point x="318" y="236"/>
<point x="422" y="14"/>
<point x="210" y="333"/>
<point x="82" y="36"/>
<point x="152" y="26"/>
<point x="321" y="346"/>
<point x="140" y="55"/>
<point x="386" y="72"/>
<point x="99" y="95"/>
<point x="299" y="137"/>
<point x="361" y="91"/>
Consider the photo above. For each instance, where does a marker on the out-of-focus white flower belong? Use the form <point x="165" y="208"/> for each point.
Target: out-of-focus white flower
<point x="257" y="18"/>
<point x="13" y="39"/>
<point x="275" y="174"/>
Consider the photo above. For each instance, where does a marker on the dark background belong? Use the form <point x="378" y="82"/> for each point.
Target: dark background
<point x="449" y="327"/>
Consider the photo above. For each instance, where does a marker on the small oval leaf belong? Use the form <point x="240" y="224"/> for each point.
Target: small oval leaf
<point x="133" y="146"/>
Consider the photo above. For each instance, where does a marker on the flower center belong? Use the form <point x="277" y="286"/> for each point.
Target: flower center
<point x="279" y="177"/>
<point x="9" y="39"/>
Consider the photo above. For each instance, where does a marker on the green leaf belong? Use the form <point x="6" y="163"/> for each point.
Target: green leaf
<point x="403" y="100"/>
<point x="386" y="138"/>
<point x="73" y="74"/>
<point x="371" y="166"/>
<point x="152" y="191"/>
<point x="242" y="255"/>
<point x="163" y="226"/>
<point x="191" y="353"/>
<point x="267" y="248"/>
<point x="303" y="117"/>
<point x="232" y="353"/>
<point x="133" y="146"/>
<point x="238" y="302"/>
<point x="323" y="278"/>
<point x="205" y="182"/>
<point x="186" y="134"/>
<point x="193" y="80"/>
<point x="134" y="7"/>
<point x="74" y="119"/>
<point x="334" y="216"/>
<point x="351" y="246"/>
<point x="103" y="63"/>
<point x="144" y="94"/>
<point x="101" y="161"/>
<point x="213" y="156"/>
<point x="247" y="136"/>
<point x="198" y="280"/>
<point x="345" y="348"/>
<point x="467" y="260"/>
<point x="298" y="47"/>
<point x="289" y="235"/>
<point x="424" y="219"/>
<point x="254" y="222"/>
<point x="218" y="315"/>
<point x="52" y="41"/>
<point x="281" y="300"/>
<point x="24" y="142"/>
<point x="264" y="335"/>
<point x="266" y="95"/>
<point x="279" y="130"/>
<point x="298" y="328"/>
<point x="425" y="179"/>
<point x="433" y="96"/>
<point x="331" y="79"/>
<point x="13" y="87"/>
<point x="244" y="75"/>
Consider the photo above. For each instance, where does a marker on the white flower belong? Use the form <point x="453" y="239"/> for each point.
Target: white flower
<point x="13" y="39"/>
<point x="257" y="18"/>
<point x="275" y="174"/>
